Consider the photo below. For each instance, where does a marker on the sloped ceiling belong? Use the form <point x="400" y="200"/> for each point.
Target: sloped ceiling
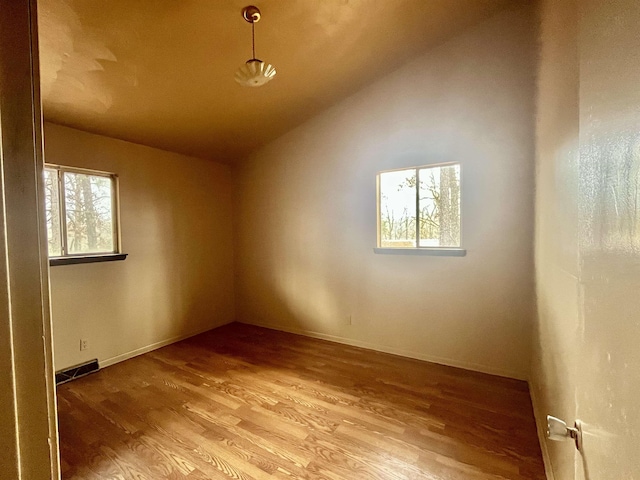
<point x="160" y="72"/>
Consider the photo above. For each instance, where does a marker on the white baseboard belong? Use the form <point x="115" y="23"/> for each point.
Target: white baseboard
<point x="154" y="346"/>
<point x="395" y="351"/>
<point x="541" y="427"/>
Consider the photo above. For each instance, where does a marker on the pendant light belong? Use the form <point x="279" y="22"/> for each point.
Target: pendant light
<point x="254" y="72"/>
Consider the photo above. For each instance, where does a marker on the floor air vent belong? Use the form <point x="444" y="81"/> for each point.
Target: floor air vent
<point x="78" y="371"/>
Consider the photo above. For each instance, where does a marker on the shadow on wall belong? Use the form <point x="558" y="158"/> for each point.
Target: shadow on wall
<point x="306" y="216"/>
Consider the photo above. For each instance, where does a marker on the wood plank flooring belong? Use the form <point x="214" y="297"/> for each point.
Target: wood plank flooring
<point x="244" y="402"/>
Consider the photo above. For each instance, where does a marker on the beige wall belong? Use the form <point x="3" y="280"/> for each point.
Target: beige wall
<point x="176" y="228"/>
<point x="586" y="356"/>
<point x="307" y="211"/>
<point x="556" y="335"/>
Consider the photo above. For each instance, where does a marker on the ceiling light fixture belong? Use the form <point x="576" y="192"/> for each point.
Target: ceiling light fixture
<point x="254" y="72"/>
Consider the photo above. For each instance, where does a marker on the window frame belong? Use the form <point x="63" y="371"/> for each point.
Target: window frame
<point x="67" y="258"/>
<point x="458" y="251"/>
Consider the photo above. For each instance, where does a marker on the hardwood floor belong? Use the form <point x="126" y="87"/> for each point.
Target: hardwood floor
<point x="244" y="402"/>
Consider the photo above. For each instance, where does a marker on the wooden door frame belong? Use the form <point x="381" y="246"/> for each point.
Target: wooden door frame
<point x="28" y="423"/>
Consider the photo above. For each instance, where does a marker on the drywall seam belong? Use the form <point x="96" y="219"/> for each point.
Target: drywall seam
<point x="154" y="346"/>
<point x="542" y="436"/>
<point x="394" y="351"/>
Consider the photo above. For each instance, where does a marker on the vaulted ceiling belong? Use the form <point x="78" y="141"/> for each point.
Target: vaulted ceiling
<point x="160" y="72"/>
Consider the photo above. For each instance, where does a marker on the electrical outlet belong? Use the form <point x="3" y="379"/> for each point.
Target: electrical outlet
<point x="84" y="344"/>
<point x="349" y="320"/>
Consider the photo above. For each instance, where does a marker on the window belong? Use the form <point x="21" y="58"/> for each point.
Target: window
<point x="419" y="208"/>
<point x="81" y="212"/>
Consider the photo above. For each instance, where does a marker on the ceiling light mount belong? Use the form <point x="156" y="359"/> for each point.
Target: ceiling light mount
<point x="251" y="14"/>
<point x="254" y="72"/>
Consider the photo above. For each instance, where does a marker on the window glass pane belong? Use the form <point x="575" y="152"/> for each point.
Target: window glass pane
<point x="398" y="208"/>
<point x="52" y="212"/>
<point x="89" y="216"/>
<point x="440" y="206"/>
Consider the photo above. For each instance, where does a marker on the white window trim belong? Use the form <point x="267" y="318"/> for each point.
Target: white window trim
<point x="417" y="249"/>
<point x="73" y="258"/>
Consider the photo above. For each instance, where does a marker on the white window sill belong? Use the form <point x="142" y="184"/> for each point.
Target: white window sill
<point x="437" y="252"/>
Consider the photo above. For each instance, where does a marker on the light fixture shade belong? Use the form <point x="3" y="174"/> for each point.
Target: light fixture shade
<point x="255" y="73"/>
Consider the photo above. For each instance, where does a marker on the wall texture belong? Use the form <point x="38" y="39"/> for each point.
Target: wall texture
<point x="306" y="220"/>
<point x="556" y="335"/>
<point x="177" y="229"/>
<point x="586" y="361"/>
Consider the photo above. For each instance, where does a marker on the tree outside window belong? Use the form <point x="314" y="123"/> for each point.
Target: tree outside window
<point x="80" y="211"/>
<point x="419" y="207"/>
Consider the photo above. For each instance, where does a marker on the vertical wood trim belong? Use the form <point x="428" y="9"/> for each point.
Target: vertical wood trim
<point x="32" y="451"/>
<point x="9" y="440"/>
<point x="47" y="324"/>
